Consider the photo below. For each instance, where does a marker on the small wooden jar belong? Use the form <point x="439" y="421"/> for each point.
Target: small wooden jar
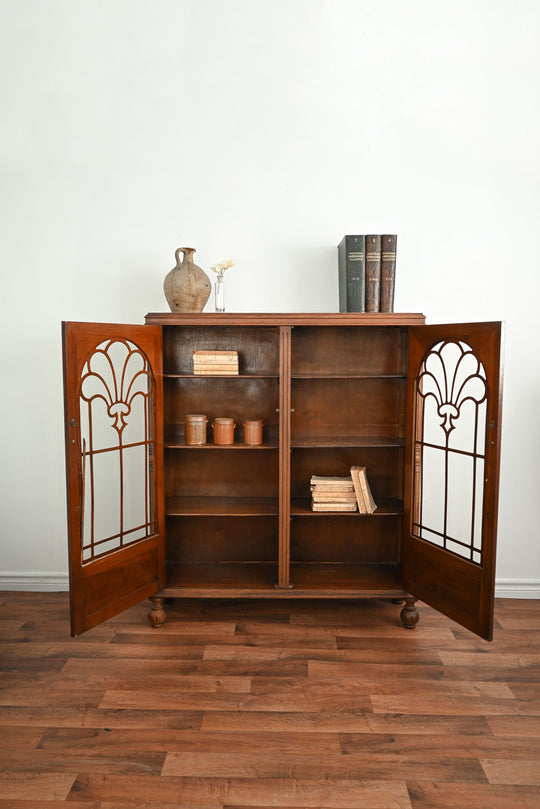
<point x="195" y="426"/>
<point x="223" y="431"/>
<point x="253" y="432"/>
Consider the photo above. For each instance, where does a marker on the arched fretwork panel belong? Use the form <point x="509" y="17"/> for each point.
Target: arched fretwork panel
<point x="450" y="437"/>
<point x="116" y="394"/>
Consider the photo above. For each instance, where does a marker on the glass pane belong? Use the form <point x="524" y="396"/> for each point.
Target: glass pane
<point x="433" y="431"/>
<point x="433" y="489"/>
<point x="135" y="500"/>
<point x="462" y="436"/>
<point x="459" y="500"/>
<point x="435" y="539"/>
<point x="106" y="494"/>
<point x="104" y="436"/>
<point x="478" y="504"/>
<point x="135" y="429"/>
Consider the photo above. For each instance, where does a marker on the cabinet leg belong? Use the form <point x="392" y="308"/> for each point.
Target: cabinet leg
<point x="409" y="613"/>
<point x="157" y="614"/>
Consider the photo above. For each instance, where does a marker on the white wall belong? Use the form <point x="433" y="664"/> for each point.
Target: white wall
<point x="262" y="131"/>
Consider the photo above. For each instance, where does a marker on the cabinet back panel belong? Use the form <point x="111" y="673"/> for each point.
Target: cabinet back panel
<point x="215" y="539"/>
<point x="346" y="539"/>
<point x="231" y="397"/>
<point x="384" y="468"/>
<point x="348" y="407"/>
<point x="218" y="472"/>
<point x="258" y="347"/>
<point x="342" y="349"/>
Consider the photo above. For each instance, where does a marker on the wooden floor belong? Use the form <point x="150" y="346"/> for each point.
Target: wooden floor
<point x="268" y="704"/>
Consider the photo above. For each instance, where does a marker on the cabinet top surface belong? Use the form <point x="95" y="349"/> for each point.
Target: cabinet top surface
<point x="285" y="319"/>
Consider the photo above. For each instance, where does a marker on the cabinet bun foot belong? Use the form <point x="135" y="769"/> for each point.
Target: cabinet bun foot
<point x="409" y="614"/>
<point x="157" y="614"/>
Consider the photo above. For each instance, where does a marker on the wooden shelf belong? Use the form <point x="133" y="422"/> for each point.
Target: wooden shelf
<point x="341" y="580"/>
<point x="179" y="443"/>
<point x="220" y="376"/>
<point x="345" y="375"/>
<point x="255" y="579"/>
<point x="221" y="506"/>
<point x="259" y="580"/>
<point x="385" y="508"/>
<point x="360" y="441"/>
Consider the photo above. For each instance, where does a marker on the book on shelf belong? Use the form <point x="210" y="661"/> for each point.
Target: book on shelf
<point x="329" y="507"/>
<point x="213" y="372"/>
<point x="388" y="271"/>
<point x="352" y="274"/>
<point x="340" y="483"/>
<point x="364" y="497"/>
<point x="215" y="366"/>
<point x="332" y="493"/>
<point x="214" y="362"/>
<point x="334" y="497"/>
<point x="373" y="273"/>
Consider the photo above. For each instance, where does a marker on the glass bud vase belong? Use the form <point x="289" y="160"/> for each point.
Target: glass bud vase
<point x="219" y="292"/>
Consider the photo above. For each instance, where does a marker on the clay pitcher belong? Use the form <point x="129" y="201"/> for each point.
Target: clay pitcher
<point x="186" y="286"/>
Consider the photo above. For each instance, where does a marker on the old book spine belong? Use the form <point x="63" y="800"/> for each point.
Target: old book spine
<point x="221" y="355"/>
<point x="355" y="474"/>
<point x="388" y="271"/>
<point x="373" y="273"/>
<point x="338" y="482"/>
<point x="213" y="372"/>
<point x="352" y="274"/>
<point x="332" y="487"/>
<point x="334" y="498"/>
<point x="333" y="507"/>
<point x="216" y="366"/>
<point x="366" y="492"/>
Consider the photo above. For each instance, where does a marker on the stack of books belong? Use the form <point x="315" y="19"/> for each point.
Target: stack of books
<point x="364" y="498"/>
<point x="215" y="363"/>
<point x="367" y="273"/>
<point x="332" y="493"/>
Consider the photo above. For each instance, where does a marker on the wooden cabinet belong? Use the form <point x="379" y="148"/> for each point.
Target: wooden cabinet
<point x="151" y="517"/>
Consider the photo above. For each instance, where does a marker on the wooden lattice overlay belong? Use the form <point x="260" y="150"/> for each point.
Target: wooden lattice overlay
<point x="116" y="400"/>
<point x="450" y="438"/>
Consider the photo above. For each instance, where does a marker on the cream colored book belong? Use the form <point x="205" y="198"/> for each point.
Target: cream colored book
<point x="214" y="366"/>
<point x="331" y="483"/>
<point x="215" y="354"/>
<point x="337" y="497"/>
<point x="366" y="504"/>
<point x="213" y="372"/>
<point x="328" y="507"/>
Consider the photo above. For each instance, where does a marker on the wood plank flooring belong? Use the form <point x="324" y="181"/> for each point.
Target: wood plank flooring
<point x="268" y="704"/>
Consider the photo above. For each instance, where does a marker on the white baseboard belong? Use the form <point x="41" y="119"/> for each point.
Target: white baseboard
<point x="517" y="588"/>
<point x="55" y="582"/>
<point x="35" y="582"/>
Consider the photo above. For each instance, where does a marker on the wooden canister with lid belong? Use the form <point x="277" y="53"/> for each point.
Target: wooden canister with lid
<point x="223" y="430"/>
<point x="253" y="432"/>
<point x="195" y="426"/>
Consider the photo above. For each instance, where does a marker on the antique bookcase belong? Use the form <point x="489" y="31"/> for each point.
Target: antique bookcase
<point x="150" y="517"/>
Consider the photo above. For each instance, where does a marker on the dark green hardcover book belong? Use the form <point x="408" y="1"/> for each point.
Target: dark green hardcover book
<point x="373" y="273"/>
<point x="352" y="274"/>
<point x="388" y="271"/>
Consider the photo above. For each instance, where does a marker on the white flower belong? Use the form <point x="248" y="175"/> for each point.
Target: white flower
<point x="219" y="268"/>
